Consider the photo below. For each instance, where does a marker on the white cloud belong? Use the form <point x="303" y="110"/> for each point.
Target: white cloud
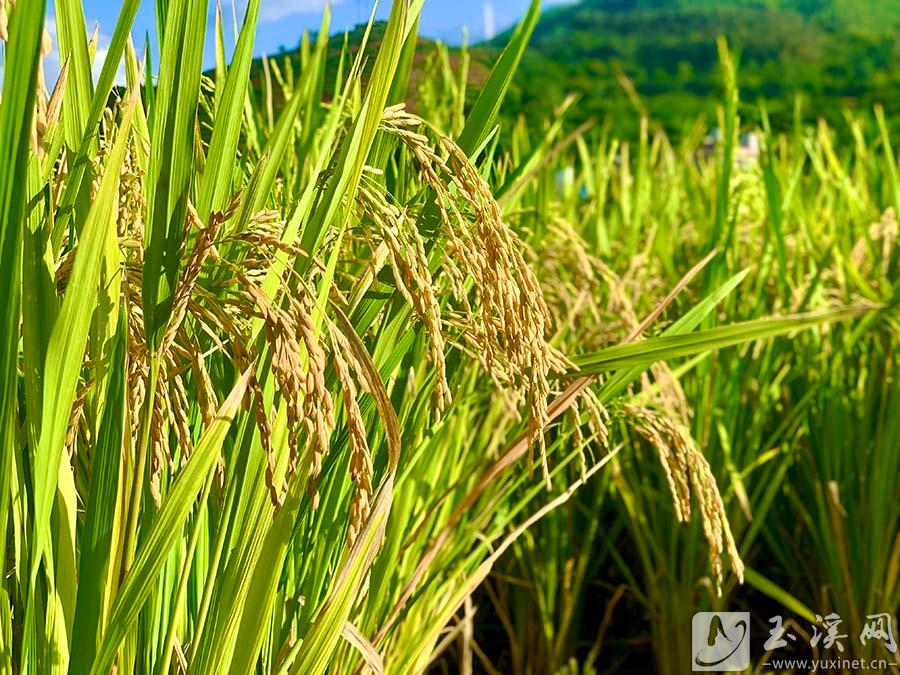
<point x="102" y="52"/>
<point x="52" y="63"/>
<point x="275" y="10"/>
<point x="100" y="58"/>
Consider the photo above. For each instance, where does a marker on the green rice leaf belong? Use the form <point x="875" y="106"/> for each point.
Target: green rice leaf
<point x="215" y="185"/>
<point x="166" y="530"/>
<point x="97" y="536"/>
<point x="65" y="350"/>
<point x="83" y="109"/>
<point x="669" y="347"/>
<point x="319" y="644"/>
<point x="73" y="49"/>
<point x="484" y="113"/>
<point x="172" y="167"/>
<point x="16" y="111"/>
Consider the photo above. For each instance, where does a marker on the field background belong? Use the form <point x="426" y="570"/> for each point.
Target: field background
<point x="381" y="355"/>
<point x="837" y="55"/>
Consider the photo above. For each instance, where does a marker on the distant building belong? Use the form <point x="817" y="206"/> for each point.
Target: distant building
<point x="565" y="180"/>
<point x="746" y="154"/>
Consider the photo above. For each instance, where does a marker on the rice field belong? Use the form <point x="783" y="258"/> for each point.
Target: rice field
<point x="293" y="382"/>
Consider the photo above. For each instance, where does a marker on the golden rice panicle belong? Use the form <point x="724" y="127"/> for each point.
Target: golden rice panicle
<point x="885" y="230"/>
<point x="132" y="202"/>
<point x="571" y="280"/>
<point x="291" y="333"/>
<point x="54" y="105"/>
<point x="41" y="104"/>
<point x="578" y="440"/>
<point x="686" y="468"/>
<point x="39" y="126"/>
<point x="361" y="470"/>
<point x="509" y="331"/>
<point x="77" y="417"/>
<point x="206" y="395"/>
<point x="413" y="278"/>
<point x="181" y="416"/>
<point x="286" y="370"/>
<point x="159" y="440"/>
<point x="597" y="416"/>
<point x="203" y="247"/>
<point x="4" y="22"/>
<point x="265" y="436"/>
<point x="136" y="382"/>
<point x="46" y="44"/>
<point x="316" y="409"/>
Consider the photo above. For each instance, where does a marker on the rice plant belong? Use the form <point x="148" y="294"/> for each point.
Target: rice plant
<point x="797" y="433"/>
<point x="285" y="375"/>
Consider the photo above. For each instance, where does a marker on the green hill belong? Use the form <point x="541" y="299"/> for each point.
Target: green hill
<point x="837" y="53"/>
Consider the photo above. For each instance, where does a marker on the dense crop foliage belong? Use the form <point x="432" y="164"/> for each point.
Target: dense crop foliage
<point x="287" y="376"/>
<point x="802" y="435"/>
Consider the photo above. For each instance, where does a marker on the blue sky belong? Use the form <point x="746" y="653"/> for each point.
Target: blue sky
<point x="282" y="21"/>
